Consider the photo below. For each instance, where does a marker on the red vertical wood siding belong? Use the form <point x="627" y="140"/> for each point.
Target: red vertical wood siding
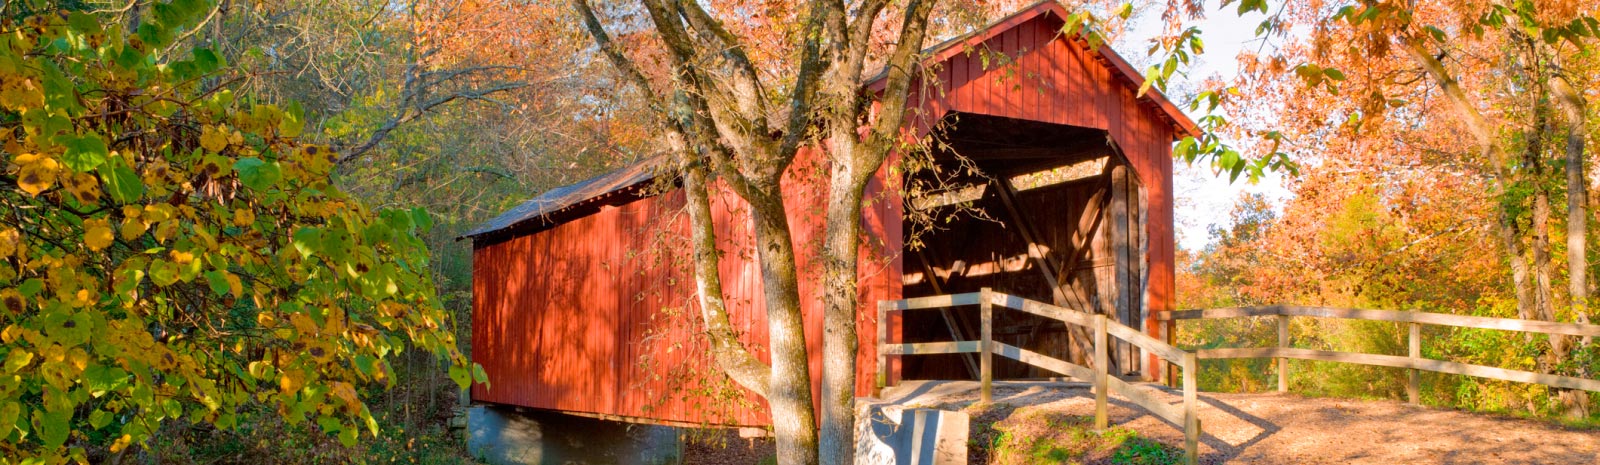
<point x="564" y="316"/>
<point x="1061" y="81"/>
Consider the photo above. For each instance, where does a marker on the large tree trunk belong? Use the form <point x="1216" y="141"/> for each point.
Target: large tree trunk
<point x="854" y="160"/>
<point x="789" y="393"/>
<point x="840" y="301"/>
<point x="1570" y="102"/>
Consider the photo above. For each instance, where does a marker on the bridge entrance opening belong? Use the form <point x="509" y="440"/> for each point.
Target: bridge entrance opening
<point x="1049" y="212"/>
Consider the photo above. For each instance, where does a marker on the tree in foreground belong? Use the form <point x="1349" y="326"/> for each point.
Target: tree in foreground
<point x="729" y="124"/>
<point x="170" y="253"/>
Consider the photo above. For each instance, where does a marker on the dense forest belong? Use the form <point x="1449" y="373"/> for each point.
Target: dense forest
<point x="228" y="229"/>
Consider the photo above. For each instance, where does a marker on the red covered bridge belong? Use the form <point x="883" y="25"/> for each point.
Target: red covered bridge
<point x="582" y="303"/>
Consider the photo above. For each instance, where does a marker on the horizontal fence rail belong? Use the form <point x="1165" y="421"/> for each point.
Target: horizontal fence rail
<point x="1102" y="327"/>
<point x="1414" y="361"/>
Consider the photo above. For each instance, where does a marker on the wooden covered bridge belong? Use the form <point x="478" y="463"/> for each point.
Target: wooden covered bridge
<point x="578" y="302"/>
<point x="582" y="302"/>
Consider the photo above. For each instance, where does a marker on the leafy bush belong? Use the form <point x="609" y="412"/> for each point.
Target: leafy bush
<point x="171" y="253"/>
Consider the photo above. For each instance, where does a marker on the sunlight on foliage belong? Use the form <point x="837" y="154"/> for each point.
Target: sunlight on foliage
<point x="171" y="252"/>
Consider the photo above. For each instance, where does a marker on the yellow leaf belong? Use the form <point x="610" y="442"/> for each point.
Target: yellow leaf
<point x="133" y="227"/>
<point x="83" y="186"/>
<point x="213" y="139"/>
<point x="38" y="173"/>
<point x="9" y="239"/>
<point x="347" y="393"/>
<point x="11" y="300"/>
<point x="121" y="443"/>
<point x="243" y="217"/>
<point x="97" y="234"/>
<point x="166" y="230"/>
<point x="235" y="286"/>
<point x="290" y="381"/>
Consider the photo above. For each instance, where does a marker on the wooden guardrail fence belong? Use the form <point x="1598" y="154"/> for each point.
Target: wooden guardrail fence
<point x="1414" y="361"/>
<point x="1102" y="328"/>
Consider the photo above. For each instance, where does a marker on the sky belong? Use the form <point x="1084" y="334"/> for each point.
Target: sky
<point x="1204" y="199"/>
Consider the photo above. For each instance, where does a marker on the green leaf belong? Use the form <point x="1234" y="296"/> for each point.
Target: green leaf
<point x="31" y="287"/>
<point x="99" y="419"/>
<point x="336" y="244"/>
<point x="121" y="182"/>
<point x="478" y="375"/>
<point x="172" y="407"/>
<point x="83" y="23"/>
<point x="257" y="174"/>
<point x="54" y="427"/>
<point x="10" y="412"/>
<point x="459" y="374"/>
<point x="217" y="281"/>
<point x="1333" y="74"/>
<point x="307" y="241"/>
<point x="347" y="437"/>
<point x="101" y="379"/>
<point x="17" y="359"/>
<point x="420" y="217"/>
<point x="206" y="61"/>
<point x="293" y="122"/>
<point x="366" y="364"/>
<point x="164" y="273"/>
<point x="85" y="153"/>
<point x="1185" y="149"/>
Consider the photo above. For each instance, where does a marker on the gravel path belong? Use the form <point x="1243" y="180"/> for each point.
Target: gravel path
<point x="1288" y="428"/>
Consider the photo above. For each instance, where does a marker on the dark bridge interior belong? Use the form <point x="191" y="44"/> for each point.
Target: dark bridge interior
<point x="1045" y="211"/>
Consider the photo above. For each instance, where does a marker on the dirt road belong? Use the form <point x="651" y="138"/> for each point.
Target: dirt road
<point x="1291" y="429"/>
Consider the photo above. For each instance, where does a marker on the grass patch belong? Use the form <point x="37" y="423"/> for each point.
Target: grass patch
<point x="1004" y="435"/>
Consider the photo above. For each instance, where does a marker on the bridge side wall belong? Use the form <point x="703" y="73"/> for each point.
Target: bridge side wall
<point x="599" y="316"/>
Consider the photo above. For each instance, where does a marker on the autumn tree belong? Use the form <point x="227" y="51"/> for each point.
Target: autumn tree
<point x="172" y="252"/>
<point x="1399" y="86"/>
<point x="731" y="125"/>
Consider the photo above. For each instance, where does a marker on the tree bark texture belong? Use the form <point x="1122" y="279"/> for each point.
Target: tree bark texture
<point x="854" y="159"/>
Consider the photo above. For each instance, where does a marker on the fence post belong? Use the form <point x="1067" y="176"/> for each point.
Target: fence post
<point x="1101" y="375"/>
<point x="1414" y="388"/>
<point x="1283" y="363"/>
<point x="1191" y="416"/>
<point x="883" y="342"/>
<point x="986" y="361"/>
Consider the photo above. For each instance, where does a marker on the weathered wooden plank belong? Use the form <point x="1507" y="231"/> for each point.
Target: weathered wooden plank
<point x="1429" y="318"/>
<point x="1043" y="361"/>
<point x="883" y="341"/>
<point x="1150" y="371"/>
<point x="1114" y="385"/>
<point x="937" y="301"/>
<point x="1191" y="412"/>
<point x="1100" y="374"/>
<point x="1414" y="386"/>
<point x="1397" y="361"/>
<point x="1121" y="257"/>
<point x="1283" y="363"/>
<point x="1138" y="396"/>
<point x="986" y="362"/>
<point x="1070" y="316"/>
<point x="929" y="348"/>
<point x="1149" y="344"/>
